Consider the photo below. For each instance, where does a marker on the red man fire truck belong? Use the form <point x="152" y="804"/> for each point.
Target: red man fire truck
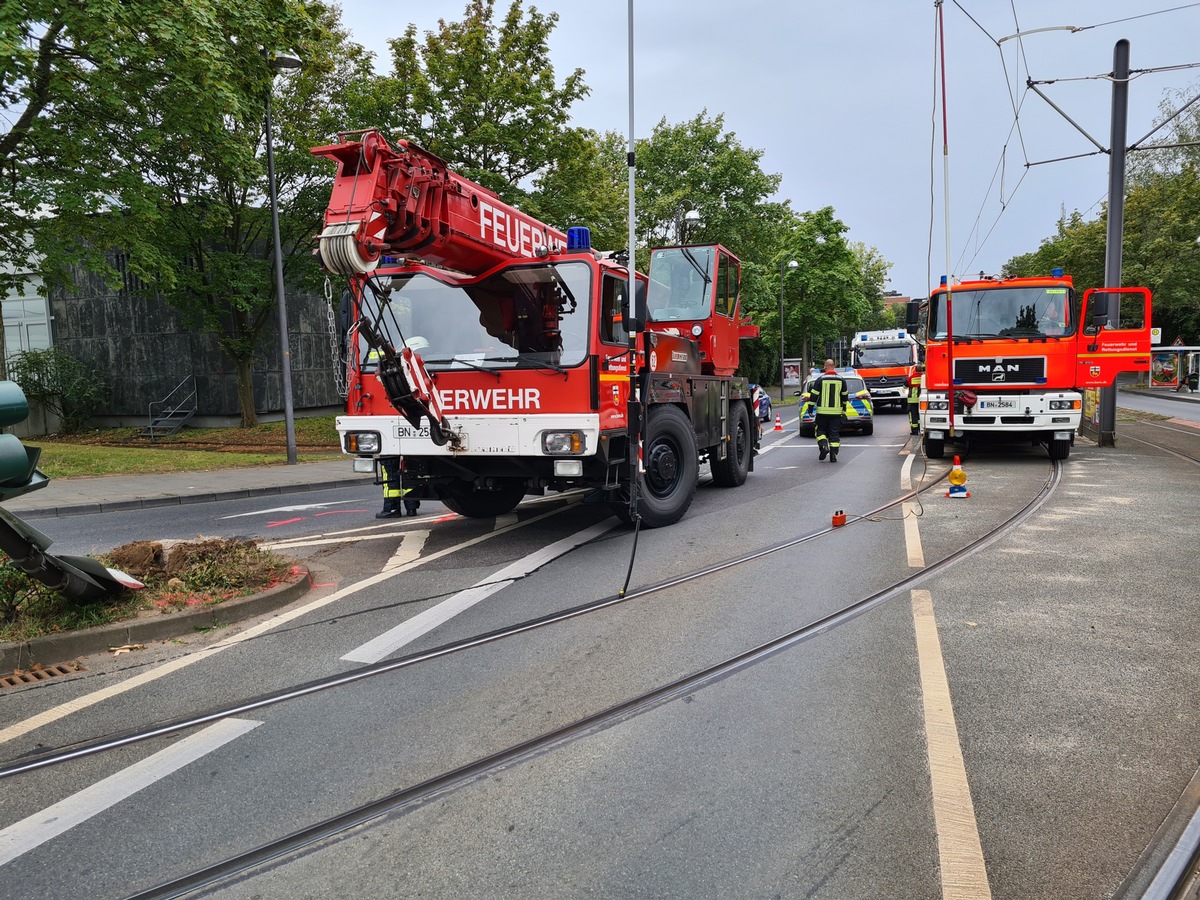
<point x="1018" y="353"/>
<point x="501" y="358"/>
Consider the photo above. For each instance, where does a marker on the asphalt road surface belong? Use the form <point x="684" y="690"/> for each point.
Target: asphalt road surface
<point x="974" y="732"/>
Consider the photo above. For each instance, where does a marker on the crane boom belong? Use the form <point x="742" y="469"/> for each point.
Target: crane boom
<point x="404" y="200"/>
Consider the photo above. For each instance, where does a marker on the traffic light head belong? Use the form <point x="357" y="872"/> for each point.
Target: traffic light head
<point x="18" y="464"/>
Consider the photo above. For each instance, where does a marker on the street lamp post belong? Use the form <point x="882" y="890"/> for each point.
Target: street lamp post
<point x="686" y="215"/>
<point x="286" y="64"/>
<point x="783" y="267"/>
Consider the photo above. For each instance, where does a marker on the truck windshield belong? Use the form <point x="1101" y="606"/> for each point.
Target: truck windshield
<point x="523" y="316"/>
<point x="878" y="357"/>
<point x="1005" y="313"/>
<point x="680" y="281"/>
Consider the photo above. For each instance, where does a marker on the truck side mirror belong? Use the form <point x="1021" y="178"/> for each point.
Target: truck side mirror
<point x="1099" y="310"/>
<point x="912" y="315"/>
<point x="635" y="319"/>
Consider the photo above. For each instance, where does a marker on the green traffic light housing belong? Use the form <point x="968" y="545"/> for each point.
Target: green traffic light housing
<point x="18" y="464"/>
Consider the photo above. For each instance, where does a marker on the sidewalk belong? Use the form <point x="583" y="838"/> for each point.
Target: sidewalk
<point x="82" y="496"/>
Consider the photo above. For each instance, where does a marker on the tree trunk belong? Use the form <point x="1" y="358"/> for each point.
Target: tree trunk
<point x="804" y="360"/>
<point x="245" y="390"/>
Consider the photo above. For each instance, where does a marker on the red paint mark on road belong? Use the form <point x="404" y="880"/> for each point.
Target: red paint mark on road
<point x="286" y="522"/>
<point x="297" y="571"/>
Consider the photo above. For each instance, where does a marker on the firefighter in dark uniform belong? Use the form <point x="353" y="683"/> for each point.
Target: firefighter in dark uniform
<point x="914" y="399"/>
<point x="396" y="501"/>
<point x="829" y="394"/>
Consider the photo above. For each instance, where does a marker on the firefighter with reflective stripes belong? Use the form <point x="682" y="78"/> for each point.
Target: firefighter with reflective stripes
<point x="914" y="399"/>
<point x="829" y="394"/>
<point x="394" y="491"/>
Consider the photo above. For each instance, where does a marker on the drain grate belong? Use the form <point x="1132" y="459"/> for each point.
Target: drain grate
<point x="36" y="674"/>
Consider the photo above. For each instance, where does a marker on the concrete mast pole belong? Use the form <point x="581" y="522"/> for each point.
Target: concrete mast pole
<point x="1116" y="222"/>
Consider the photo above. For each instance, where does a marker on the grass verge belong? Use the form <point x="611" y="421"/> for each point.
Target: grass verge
<point x="119" y="451"/>
<point x="183" y="576"/>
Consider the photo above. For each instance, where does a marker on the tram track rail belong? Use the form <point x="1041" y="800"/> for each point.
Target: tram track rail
<point x="461" y="776"/>
<point x="81" y="750"/>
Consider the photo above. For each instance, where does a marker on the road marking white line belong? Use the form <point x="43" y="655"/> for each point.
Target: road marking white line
<point x="79" y="703"/>
<point x="422" y="623"/>
<point x="906" y="473"/>
<point x="297" y="543"/>
<point x="912" y="536"/>
<point x="963" y="873"/>
<point x="35" y="830"/>
<point x="409" y="550"/>
<point x="297" y="508"/>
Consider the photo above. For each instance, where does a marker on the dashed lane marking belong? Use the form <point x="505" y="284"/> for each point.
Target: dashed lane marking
<point x="410" y="549"/>
<point x="35" y="830"/>
<point x="422" y="623"/>
<point x="63" y="710"/>
<point x="963" y="873"/>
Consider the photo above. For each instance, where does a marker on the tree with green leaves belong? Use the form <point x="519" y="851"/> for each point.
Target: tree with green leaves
<point x="140" y="136"/>
<point x="483" y="96"/>
<point x="699" y="165"/>
<point x="588" y="185"/>
<point x="823" y="296"/>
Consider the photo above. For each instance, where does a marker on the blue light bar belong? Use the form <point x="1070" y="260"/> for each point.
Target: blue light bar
<point x="943" y="281"/>
<point x="578" y="239"/>
<point x="1056" y="272"/>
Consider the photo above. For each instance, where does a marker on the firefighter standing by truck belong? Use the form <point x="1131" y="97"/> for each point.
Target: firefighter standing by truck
<point x="829" y="394"/>
<point x="914" y="399"/>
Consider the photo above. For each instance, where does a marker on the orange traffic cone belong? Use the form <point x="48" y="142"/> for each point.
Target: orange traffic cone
<point x="958" y="481"/>
<point x="778" y="423"/>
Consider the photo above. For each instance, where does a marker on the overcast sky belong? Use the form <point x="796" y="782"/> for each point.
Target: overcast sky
<point x="839" y="96"/>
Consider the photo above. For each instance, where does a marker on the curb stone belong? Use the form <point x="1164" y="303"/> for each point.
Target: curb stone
<point x="54" y="649"/>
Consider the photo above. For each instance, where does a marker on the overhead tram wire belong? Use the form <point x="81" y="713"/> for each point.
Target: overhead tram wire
<point x="1030" y="85"/>
<point x="1141" y="16"/>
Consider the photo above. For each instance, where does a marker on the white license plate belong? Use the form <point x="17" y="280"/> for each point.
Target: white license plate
<point x="997" y="404"/>
<point x="404" y="430"/>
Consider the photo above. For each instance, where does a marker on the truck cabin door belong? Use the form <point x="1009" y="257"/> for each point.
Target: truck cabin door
<point x="1114" y="336"/>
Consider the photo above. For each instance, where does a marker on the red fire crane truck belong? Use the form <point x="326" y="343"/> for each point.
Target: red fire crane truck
<point x="494" y="353"/>
<point x="1022" y="353"/>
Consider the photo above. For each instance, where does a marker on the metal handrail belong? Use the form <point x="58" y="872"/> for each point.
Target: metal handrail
<point x="182" y="398"/>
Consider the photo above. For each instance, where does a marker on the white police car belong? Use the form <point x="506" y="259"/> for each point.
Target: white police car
<point x="858" y="414"/>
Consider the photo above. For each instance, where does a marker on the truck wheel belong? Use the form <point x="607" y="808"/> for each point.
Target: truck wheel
<point x="672" y="467"/>
<point x="935" y="448"/>
<point x="1059" y="449"/>
<point x="464" y="500"/>
<point x="732" y="470"/>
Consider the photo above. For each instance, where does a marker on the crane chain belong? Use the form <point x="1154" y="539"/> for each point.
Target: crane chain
<point x="339" y="360"/>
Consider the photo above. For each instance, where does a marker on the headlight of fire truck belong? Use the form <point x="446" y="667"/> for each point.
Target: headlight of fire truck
<point x="938" y="404"/>
<point x="364" y="442"/>
<point x="563" y="443"/>
<point x="1065" y="404"/>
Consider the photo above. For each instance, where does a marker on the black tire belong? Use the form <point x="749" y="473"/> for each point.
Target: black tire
<point x="1058" y="449"/>
<point x="868" y="428"/>
<point x="733" y="469"/>
<point x="807" y="430"/>
<point x="672" y="467"/>
<point x="935" y="448"/>
<point x="464" y="500"/>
